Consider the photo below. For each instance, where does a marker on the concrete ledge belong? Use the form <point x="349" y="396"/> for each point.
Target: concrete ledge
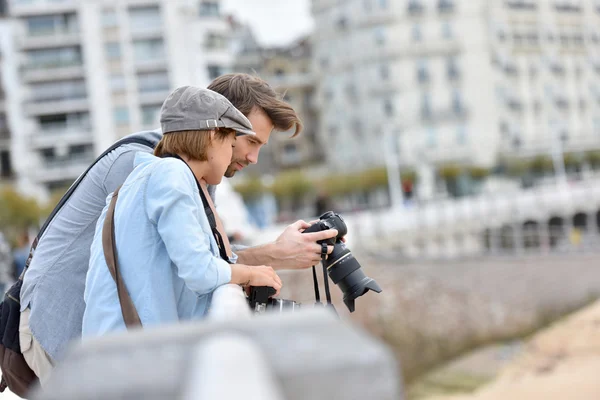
<point x="311" y="354"/>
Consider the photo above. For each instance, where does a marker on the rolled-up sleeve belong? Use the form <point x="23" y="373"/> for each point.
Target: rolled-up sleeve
<point x="171" y="204"/>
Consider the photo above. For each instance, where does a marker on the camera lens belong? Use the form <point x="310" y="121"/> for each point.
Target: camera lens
<point x="345" y="271"/>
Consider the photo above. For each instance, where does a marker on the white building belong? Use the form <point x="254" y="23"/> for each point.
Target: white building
<point x="90" y="72"/>
<point x="457" y="82"/>
<point x="6" y="52"/>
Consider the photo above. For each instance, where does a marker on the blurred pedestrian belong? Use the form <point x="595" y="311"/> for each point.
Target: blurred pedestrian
<point x="6" y="265"/>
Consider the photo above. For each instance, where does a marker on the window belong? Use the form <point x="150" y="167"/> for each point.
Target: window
<point x="109" y="18"/>
<point x="388" y="107"/>
<point x="52" y="24"/>
<point x="5" y="164"/>
<point x="446" y="30"/>
<point x="367" y="5"/>
<point x="148" y="50"/>
<point x="457" y="102"/>
<point x="452" y="69"/>
<point x="121" y="115"/>
<point x="215" y="41"/>
<point x="416" y="33"/>
<point x="383" y="4"/>
<point x="80" y="149"/>
<point x="117" y="83"/>
<point x="379" y="35"/>
<point x="209" y="9"/>
<point x="291" y="154"/>
<point x="61" y="122"/>
<point x="112" y="50"/>
<point x="461" y="135"/>
<point x="214" y="71"/>
<point x="144" y="18"/>
<point x="431" y="137"/>
<point x="54" y="57"/>
<point x="153" y="82"/>
<point x="384" y="71"/>
<point x="422" y="73"/>
<point x="150" y="114"/>
<point x="58" y="90"/>
<point x="426" y="106"/>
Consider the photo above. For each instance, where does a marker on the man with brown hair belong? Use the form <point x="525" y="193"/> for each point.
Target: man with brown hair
<point x="52" y="303"/>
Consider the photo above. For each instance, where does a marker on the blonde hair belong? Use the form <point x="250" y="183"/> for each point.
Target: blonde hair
<point x="193" y="144"/>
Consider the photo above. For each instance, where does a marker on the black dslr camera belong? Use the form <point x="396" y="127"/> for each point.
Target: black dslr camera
<point x="341" y="266"/>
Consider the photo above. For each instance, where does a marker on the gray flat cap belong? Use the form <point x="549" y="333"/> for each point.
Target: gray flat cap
<point x="192" y="108"/>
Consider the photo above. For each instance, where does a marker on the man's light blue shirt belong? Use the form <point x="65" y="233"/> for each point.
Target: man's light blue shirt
<point x="167" y="254"/>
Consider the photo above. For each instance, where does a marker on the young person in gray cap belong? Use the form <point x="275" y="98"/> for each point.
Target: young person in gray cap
<point x="52" y="303"/>
<point x="168" y="256"/>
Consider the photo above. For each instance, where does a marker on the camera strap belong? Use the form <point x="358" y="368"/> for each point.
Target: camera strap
<point x="326" y="279"/>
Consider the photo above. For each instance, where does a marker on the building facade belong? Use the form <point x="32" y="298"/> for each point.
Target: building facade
<point x="456" y="82"/>
<point x="288" y="69"/>
<point x="90" y="72"/>
<point x="6" y="170"/>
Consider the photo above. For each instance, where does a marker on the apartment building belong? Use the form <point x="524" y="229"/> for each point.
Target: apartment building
<point x="288" y="69"/>
<point x="6" y="172"/>
<point x="90" y="72"/>
<point x="458" y="82"/>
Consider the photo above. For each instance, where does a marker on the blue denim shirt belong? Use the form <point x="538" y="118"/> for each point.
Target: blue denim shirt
<point x="167" y="254"/>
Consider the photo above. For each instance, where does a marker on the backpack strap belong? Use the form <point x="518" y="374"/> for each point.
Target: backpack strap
<point x="74" y="186"/>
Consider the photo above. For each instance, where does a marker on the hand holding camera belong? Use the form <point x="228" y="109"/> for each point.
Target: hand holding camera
<point x="341" y="266"/>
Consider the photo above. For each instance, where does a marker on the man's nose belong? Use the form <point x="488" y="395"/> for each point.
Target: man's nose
<point x="252" y="157"/>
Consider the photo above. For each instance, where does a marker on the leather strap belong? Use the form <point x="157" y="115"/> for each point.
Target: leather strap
<point x="130" y="315"/>
<point x="224" y="242"/>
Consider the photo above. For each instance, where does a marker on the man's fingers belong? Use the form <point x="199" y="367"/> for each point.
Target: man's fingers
<point x="314" y="221"/>
<point x="322" y="235"/>
<point x="329" y="249"/>
<point x="300" y="224"/>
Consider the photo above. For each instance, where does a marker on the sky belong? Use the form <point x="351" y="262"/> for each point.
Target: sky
<point x="274" y="22"/>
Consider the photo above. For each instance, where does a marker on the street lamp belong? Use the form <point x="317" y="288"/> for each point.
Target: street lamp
<point x="390" y="152"/>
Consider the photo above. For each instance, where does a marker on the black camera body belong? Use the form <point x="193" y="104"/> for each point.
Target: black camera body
<point x="260" y="300"/>
<point x="343" y="269"/>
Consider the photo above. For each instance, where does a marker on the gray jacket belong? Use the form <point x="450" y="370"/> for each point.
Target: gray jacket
<point x="53" y="285"/>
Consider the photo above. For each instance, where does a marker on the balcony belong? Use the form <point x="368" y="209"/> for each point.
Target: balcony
<point x="151" y="64"/>
<point x="61" y="134"/>
<point x="22" y="8"/>
<point x="55" y="70"/>
<point x="150" y="31"/>
<point x="63" y="169"/>
<point x="521" y="5"/>
<point x="565" y="7"/>
<point x="64" y="105"/>
<point x="56" y="38"/>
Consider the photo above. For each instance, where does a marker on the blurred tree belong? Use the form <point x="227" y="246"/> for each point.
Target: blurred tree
<point x="450" y="171"/>
<point x="542" y="164"/>
<point x="251" y="188"/>
<point x="17" y="212"/>
<point x="478" y="173"/>
<point x="292" y="185"/>
<point x="593" y="157"/>
<point x="55" y="197"/>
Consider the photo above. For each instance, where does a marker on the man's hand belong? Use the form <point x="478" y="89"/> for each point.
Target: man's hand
<point x="296" y="250"/>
